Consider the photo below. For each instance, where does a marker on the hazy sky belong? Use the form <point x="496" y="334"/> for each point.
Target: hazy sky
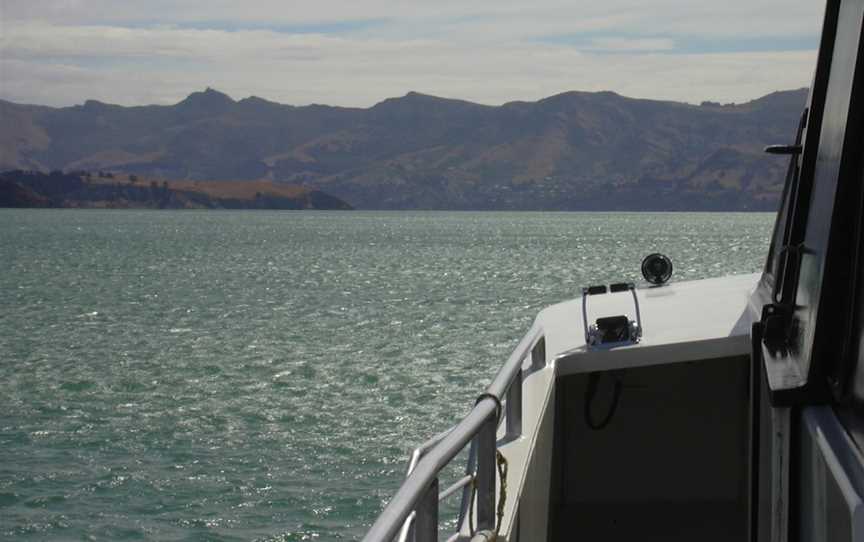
<point x="358" y="52"/>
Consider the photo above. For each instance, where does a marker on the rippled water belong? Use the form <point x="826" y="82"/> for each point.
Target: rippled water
<point x="256" y="375"/>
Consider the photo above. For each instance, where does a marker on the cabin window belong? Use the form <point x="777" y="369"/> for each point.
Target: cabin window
<point x="830" y="210"/>
<point x="857" y="385"/>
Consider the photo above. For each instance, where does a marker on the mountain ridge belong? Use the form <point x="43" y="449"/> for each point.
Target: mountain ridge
<point x="574" y="150"/>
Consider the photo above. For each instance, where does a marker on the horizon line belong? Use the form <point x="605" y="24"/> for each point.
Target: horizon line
<point x="407" y="94"/>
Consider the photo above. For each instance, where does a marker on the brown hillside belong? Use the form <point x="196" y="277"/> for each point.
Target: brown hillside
<point x="576" y="150"/>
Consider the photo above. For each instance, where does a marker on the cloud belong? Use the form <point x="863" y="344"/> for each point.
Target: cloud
<point x="357" y="53"/>
<point x="733" y="17"/>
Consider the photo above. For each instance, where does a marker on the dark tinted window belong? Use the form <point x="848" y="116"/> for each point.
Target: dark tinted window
<point x="858" y="333"/>
<point x="818" y="277"/>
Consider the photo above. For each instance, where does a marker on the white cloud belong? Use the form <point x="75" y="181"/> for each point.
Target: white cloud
<point x="628" y="44"/>
<point x="60" y="52"/>
<point x="733" y="17"/>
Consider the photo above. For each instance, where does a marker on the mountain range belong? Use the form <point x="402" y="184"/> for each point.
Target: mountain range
<point x="571" y="151"/>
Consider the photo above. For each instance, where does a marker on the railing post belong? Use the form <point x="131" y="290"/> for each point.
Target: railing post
<point x="538" y="354"/>
<point x="486" y="475"/>
<point x="470" y="468"/>
<point x="514" y="407"/>
<point x="426" y="525"/>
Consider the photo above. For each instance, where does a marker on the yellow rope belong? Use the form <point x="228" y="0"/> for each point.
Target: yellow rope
<point x="471" y="505"/>
<point x="501" y="464"/>
<point x="502" y="492"/>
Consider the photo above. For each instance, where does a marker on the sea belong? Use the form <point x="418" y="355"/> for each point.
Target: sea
<point x="251" y="375"/>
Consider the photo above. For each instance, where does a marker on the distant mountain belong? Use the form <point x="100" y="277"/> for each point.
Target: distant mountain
<point x="19" y="188"/>
<point x="577" y="150"/>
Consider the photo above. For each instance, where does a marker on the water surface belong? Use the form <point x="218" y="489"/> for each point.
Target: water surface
<point x="192" y="375"/>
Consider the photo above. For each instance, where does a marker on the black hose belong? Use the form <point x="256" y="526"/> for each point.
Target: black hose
<point x="591" y="391"/>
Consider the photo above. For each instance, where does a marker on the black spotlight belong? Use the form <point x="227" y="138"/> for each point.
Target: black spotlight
<point x="657" y="268"/>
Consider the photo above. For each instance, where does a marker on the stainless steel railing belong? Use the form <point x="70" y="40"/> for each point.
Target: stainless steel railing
<point x="412" y="513"/>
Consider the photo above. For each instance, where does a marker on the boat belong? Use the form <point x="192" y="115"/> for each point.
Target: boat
<point x="722" y="409"/>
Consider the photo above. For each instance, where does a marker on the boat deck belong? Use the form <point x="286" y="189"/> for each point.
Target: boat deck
<point x="654" y="522"/>
<point x="685" y="320"/>
<point x="681" y="384"/>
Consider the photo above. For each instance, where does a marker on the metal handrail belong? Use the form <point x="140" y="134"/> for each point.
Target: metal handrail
<point x="457" y="485"/>
<point x="418" y="452"/>
<point x="420" y="487"/>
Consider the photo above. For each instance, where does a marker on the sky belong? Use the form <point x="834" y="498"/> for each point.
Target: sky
<point x="359" y="52"/>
